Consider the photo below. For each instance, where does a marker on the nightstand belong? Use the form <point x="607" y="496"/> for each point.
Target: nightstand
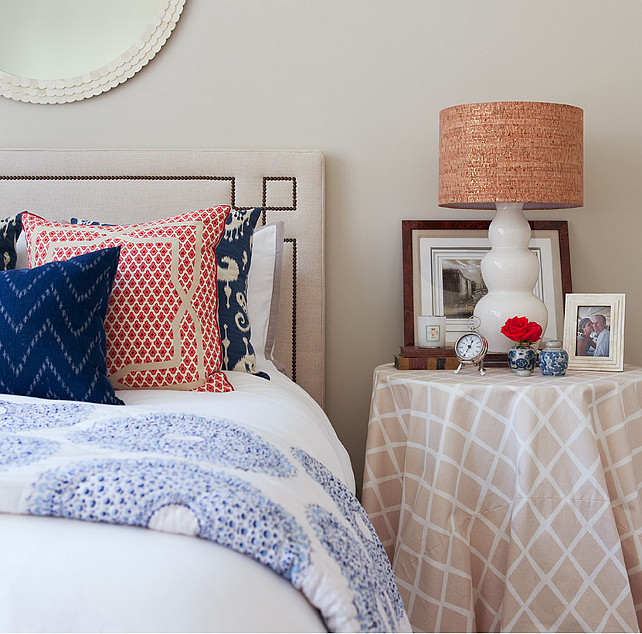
<point x="509" y="503"/>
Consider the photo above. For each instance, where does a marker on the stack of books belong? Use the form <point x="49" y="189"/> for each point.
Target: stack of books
<point x="414" y="358"/>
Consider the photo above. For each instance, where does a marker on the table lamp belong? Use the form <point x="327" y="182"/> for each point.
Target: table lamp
<point x="510" y="156"/>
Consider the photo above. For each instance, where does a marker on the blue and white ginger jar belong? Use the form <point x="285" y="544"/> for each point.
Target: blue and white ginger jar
<point x="521" y="359"/>
<point x="553" y="360"/>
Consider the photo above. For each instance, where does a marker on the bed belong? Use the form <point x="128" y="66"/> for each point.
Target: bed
<point x="188" y="479"/>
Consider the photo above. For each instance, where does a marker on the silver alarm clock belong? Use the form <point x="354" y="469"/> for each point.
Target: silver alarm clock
<point x="470" y="349"/>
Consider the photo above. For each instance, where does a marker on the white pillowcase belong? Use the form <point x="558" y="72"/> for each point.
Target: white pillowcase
<point x="263" y="289"/>
<point x="21" y="251"/>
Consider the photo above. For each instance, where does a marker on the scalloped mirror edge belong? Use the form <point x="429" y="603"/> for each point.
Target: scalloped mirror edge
<point x="104" y="78"/>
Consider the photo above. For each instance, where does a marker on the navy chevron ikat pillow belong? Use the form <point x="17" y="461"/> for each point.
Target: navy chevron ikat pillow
<point x="52" y="334"/>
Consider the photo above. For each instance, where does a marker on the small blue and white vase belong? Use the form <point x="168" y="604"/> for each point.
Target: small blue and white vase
<point x="521" y="359"/>
<point x="553" y="360"/>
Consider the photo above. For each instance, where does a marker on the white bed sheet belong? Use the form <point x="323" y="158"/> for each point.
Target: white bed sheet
<point x="67" y="575"/>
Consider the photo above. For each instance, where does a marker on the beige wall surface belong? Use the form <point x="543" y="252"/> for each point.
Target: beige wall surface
<point x="363" y="81"/>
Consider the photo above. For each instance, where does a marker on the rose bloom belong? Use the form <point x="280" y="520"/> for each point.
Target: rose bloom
<point x="521" y="330"/>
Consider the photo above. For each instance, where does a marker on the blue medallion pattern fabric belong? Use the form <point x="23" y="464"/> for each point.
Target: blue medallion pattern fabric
<point x="205" y="477"/>
<point x="52" y="334"/>
<point x="10" y="229"/>
<point x="350" y="553"/>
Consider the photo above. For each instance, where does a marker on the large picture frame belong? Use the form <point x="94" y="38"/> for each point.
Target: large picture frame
<point x="594" y="331"/>
<point x="442" y="276"/>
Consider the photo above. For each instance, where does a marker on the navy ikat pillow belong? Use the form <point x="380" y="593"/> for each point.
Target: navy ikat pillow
<point x="10" y="229"/>
<point x="52" y="333"/>
<point x="234" y="255"/>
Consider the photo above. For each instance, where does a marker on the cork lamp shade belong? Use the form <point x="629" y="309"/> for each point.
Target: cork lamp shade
<point x="510" y="156"/>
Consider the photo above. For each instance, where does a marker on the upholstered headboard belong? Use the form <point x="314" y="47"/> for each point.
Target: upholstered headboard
<point x="126" y="186"/>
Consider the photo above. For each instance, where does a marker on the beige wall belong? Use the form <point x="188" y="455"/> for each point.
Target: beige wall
<point x="364" y="80"/>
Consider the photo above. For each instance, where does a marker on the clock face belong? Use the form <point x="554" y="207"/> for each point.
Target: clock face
<point x="469" y="346"/>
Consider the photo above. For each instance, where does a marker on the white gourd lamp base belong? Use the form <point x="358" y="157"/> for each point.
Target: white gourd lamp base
<point x="510" y="271"/>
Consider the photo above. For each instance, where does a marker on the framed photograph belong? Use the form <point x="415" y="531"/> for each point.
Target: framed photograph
<point x="442" y="272"/>
<point x="594" y="331"/>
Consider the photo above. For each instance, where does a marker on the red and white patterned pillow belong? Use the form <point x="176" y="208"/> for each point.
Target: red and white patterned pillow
<point x="162" y="321"/>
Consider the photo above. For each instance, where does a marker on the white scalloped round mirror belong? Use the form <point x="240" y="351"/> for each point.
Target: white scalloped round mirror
<point x="56" y="51"/>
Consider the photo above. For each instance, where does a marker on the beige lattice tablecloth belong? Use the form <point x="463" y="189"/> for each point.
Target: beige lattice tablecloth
<point x="509" y="503"/>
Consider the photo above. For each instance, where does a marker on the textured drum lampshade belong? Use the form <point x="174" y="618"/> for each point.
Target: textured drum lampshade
<point x="510" y="156"/>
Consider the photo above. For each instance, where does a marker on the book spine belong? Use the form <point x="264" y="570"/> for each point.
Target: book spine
<point x="425" y="363"/>
<point x="414" y="351"/>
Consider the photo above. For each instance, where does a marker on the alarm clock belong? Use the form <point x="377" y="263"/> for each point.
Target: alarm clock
<point x="470" y="349"/>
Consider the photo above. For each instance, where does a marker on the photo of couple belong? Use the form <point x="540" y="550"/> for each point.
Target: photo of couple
<point x="593" y="331"/>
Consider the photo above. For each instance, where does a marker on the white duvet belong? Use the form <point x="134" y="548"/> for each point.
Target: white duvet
<point x="70" y="575"/>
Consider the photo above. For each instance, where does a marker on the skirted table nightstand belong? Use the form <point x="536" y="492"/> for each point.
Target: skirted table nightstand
<point x="509" y="503"/>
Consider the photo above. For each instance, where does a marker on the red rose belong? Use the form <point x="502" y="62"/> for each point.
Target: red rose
<point x="521" y="330"/>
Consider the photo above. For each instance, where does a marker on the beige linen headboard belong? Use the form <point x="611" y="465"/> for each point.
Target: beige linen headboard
<point x="127" y="186"/>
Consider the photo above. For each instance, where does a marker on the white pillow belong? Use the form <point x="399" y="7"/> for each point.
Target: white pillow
<point x="263" y="287"/>
<point x="21" y="251"/>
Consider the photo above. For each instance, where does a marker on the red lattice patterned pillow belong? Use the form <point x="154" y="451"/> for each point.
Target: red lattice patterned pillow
<point x="162" y="326"/>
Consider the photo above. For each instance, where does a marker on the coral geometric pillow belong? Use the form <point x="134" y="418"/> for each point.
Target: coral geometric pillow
<point x="161" y="325"/>
<point x="234" y="256"/>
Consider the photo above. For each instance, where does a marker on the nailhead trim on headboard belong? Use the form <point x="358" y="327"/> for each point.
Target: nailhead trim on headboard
<point x="279" y="178"/>
<point x="294" y="303"/>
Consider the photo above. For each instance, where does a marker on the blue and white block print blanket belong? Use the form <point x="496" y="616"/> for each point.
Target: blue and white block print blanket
<point x="207" y="477"/>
